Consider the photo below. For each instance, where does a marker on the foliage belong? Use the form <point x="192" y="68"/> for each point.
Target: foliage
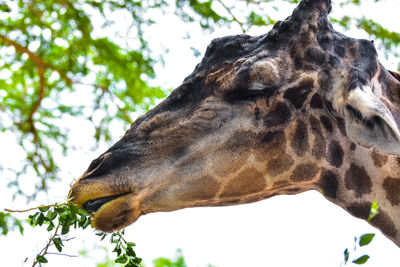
<point x="179" y="261"/>
<point x="362" y="241"/>
<point x="9" y="222"/>
<point x="374" y="210"/>
<point x="125" y="253"/>
<point x="49" y="51"/>
<point x="59" y="219"/>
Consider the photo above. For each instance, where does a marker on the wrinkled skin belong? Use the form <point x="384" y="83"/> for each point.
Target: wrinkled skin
<point x="302" y="107"/>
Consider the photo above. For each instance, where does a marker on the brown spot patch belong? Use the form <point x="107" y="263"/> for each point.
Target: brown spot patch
<point x="316" y="101"/>
<point x="329" y="183"/>
<point x="272" y="143"/>
<point x="298" y="95"/>
<point x="278" y="116"/>
<point x="246" y="182"/>
<point x="392" y="188"/>
<point x="279" y="164"/>
<point x="379" y="159"/>
<point x="358" y="180"/>
<point x="381" y="220"/>
<point x="335" y="154"/>
<point x="315" y="56"/>
<point x="326" y="122"/>
<point x="198" y="189"/>
<point x="304" y="172"/>
<point x="319" y="147"/>
<point x="299" y="139"/>
<point x="241" y="141"/>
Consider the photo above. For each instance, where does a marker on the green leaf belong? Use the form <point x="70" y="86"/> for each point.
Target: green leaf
<point x="83" y="212"/>
<point x="58" y="243"/>
<point x="137" y="260"/>
<point x="44" y="209"/>
<point x="103" y="236"/>
<point x="361" y="260"/>
<point x="373" y="211"/>
<point x="130" y="252"/>
<point x="50" y="227"/>
<point x="33" y="218"/>
<point x="60" y="210"/>
<point x="4" y="8"/>
<point x="51" y="215"/>
<point x="366" y="239"/>
<point x="117" y="249"/>
<point x="121" y="259"/>
<point x="65" y="230"/>
<point x="346" y="255"/>
<point x="40" y="219"/>
<point x="41" y="259"/>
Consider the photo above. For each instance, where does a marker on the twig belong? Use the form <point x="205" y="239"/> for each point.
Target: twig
<point x="233" y="16"/>
<point x="39" y="207"/>
<point x="61" y="254"/>
<point x="44" y="250"/>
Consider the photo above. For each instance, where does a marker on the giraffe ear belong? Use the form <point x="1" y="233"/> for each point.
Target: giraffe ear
<point x="369" y="121"/>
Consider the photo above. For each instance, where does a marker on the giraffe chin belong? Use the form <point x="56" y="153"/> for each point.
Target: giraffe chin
<point x="116" y="214"/>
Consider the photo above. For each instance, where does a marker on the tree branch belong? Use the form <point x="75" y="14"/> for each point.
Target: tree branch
<point x="39" y="207"/>
<point x="44" y="250"/>
<point x="233" y="16"/>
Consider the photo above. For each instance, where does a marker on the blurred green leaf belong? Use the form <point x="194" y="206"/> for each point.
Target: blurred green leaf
<point x="366" y="239"/>
<point x="373" y="211"/>
<point x="9" y="223"/>
<point x="41" y="259"/>
<point x="346" y="255"/>
<point x="58" y="243"/>
<point x="361" y="260"/>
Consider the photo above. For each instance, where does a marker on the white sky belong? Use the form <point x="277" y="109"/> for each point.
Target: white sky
<point x="302" y="230"/>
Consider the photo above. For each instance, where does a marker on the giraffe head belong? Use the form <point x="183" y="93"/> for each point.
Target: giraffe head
<point x="236" y="130"/>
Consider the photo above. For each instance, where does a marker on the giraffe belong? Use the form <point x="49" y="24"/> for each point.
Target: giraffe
<point x="300" y="108"/>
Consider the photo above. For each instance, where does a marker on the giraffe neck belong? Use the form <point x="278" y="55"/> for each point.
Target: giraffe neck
<point x="364" y="177"/>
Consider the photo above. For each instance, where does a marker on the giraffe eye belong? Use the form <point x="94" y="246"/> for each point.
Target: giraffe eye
<point x="243" y="94"/>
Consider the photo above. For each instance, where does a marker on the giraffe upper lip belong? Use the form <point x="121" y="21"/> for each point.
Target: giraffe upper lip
<point x="93" y="205"/>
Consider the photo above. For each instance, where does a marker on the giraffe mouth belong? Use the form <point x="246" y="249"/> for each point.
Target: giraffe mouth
<point x="93" y="205"/>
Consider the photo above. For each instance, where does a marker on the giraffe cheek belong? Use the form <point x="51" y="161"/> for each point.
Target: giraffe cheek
<point x="116" y="214"/>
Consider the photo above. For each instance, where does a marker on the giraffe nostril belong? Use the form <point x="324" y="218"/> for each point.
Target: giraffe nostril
<point x="95" y="163"/>
<point x="99" y="166"/>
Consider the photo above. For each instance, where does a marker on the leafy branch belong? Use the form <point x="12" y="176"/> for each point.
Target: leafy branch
<point x="59" y="219"/>
<point x="124" y="249"/>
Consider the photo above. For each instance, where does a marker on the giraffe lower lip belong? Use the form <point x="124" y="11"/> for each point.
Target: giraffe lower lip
<point x="94" y="204"/>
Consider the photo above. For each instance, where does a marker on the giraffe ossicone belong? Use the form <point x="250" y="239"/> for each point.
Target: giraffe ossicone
<point x="300" y="108"/>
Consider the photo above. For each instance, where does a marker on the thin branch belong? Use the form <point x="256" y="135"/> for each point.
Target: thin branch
<point x="41" y="65"/>
<point x="35" y="58"/>
<point x="39" y="207"/>
<point x="61" y="254"/>
<point x="44" y="250"/>
<point x="233" y="16"/>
